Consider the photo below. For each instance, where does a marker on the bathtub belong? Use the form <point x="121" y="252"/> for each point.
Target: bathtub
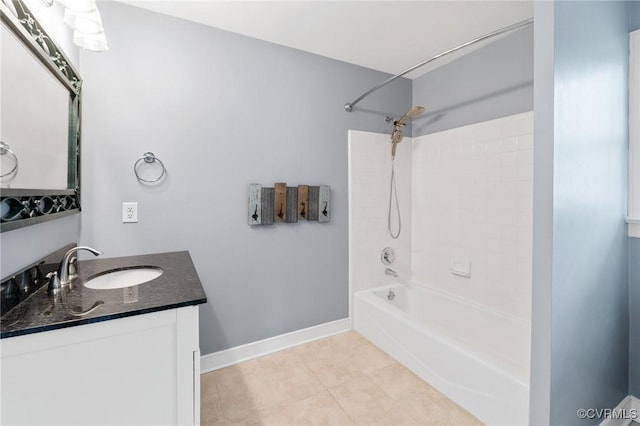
<point x="476" y="356"/>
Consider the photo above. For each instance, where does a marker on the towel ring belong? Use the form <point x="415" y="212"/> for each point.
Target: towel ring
<point x="6" y="149"/>
<point x="149" y="158"/>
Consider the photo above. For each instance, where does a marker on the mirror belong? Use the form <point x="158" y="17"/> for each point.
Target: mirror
<point x="39" y="123"/>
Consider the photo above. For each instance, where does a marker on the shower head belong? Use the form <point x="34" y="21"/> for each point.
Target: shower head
<point x="414" y="112"/>
<point x="397" y="135"/>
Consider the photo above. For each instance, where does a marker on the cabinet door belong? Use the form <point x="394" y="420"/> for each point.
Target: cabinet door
<point x="124" y="371"/>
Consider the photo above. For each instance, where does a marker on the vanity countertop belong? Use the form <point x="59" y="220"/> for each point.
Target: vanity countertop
<point x="178" y="286"/>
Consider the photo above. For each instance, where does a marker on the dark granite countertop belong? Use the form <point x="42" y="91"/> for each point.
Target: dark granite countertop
<point x="178" y="286"/>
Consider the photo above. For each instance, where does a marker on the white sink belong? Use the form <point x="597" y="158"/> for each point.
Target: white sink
<point x="120" y="278"/>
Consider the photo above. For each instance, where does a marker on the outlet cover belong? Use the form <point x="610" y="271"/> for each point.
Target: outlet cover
<point x="129" y="212"/>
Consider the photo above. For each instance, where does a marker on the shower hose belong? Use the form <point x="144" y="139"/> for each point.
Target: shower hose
<point x="393" y="193"/>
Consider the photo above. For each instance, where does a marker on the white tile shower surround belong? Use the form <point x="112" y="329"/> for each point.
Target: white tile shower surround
<point x="472" y="198"/>
<point x="469" y="191"/>
<point x="369" y="172"/>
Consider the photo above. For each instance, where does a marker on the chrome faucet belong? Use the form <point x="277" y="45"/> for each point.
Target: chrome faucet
<point x="391" y="272"/>
<point x="61" y="279"/>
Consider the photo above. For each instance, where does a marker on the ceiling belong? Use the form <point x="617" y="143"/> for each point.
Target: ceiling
<point x="388" y="36"/>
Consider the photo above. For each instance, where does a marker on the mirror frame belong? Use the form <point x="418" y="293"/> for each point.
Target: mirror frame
<point x="41" y="205"/>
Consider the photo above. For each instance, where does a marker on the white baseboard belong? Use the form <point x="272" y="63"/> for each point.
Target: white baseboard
<point x="249" y="351"/>
<point x="630" y="405"/>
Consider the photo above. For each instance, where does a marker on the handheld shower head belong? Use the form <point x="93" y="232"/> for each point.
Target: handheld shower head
<point x="396" y="138"/>
<point x="397" y="135"/>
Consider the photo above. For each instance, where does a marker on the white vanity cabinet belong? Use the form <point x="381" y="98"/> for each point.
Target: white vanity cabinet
<point x="137" y="370"/>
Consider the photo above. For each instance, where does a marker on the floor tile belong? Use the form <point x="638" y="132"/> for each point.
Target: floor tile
<point x="241" y="411"/>
<point x="369" y="358"/>
<point x="298" y="385"/>
<point x="320" y="409"/>
<point x="266" y="389"/>
<point x="307" y="349"/>
<point x="211" y="411"/>
<point x="363" y="401"/>
<point x="233" y="372"/>
<point x="422" y="411"/>
<point x="334" y="370"/>
<point x="330" y="365"/>
<point x="348" y="340"/>
<point x="340" y="380"/>
<point x="208" y="384"/>
<point x="279" y="363"/>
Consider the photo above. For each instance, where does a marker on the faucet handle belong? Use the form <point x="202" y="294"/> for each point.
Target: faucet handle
<point x="11" y="289"/>
<point x="25" y="280"/>
<point x="72" y="270"/>
<point x="54" y="283"/>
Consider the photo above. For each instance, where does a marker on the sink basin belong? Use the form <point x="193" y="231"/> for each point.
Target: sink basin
<point x="125" y="277"/>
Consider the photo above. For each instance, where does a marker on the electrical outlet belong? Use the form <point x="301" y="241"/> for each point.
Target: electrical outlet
<point x="130" y="294"/>
<point x="129" y="212"/>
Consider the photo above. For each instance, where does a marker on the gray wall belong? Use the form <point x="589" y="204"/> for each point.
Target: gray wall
<point x="222" y="111"/>
<point x="589" y="306"/>
<point x="634" y="15"/>
<point x="491" y="82"/>
<point x="634" y="269"/>
<point x="21" y="247"/>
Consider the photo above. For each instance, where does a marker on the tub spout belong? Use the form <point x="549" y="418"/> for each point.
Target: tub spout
<point x="391" y="272"/>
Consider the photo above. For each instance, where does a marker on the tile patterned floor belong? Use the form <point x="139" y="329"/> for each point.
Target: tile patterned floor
<point x="340" y="380"/>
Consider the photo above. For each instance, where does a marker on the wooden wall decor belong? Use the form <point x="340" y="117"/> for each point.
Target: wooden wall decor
<point x="255" y="204"/>
<point x="303" y="201"/>
<point x="267" y="206"/>
<point x="314" y="202"/>
<point x="292" y="204"/>
<point x="280" y="203"/>
<point x="288" y="204"/>
<point x="324" y="205"/>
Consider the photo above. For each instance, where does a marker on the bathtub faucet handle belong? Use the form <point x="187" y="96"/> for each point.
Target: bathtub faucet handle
<point x="391" y="272"/>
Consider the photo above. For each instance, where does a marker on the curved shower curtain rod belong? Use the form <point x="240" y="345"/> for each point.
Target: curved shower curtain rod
<point x="349" y="106"/>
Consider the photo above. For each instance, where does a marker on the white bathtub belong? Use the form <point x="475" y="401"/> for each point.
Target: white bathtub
<point x="478" y="357"/>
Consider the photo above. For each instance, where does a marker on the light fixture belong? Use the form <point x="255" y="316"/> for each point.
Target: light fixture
<point x="82" y="6"/>
<point x="83" y="17"/>
<point x="84" y="22"/>
<point x="96" y="42"/>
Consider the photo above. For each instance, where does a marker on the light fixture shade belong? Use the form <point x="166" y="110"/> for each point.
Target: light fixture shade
<point x="88" y="23"/>
<point x="82" y="6"/>
<point x="94" y="42"/>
